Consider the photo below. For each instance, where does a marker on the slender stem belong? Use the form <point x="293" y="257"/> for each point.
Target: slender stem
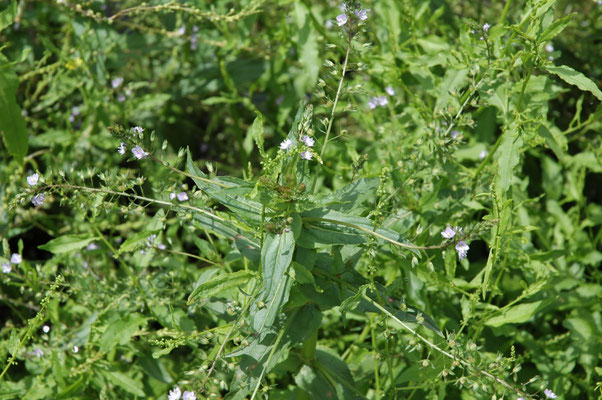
<point x="334" y="107"/>
<point x="133" y="196"/>
<point x="505" y="11"/>
<point x="179" y="171"/>
<point x="445" y="353"/>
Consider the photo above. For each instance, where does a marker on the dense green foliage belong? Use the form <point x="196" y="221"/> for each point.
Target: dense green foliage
<point x="399" y="199"/>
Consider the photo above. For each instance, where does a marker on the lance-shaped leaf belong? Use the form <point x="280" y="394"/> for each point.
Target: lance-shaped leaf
<point x="276" y="257"/>
<point x="218" y="284"/>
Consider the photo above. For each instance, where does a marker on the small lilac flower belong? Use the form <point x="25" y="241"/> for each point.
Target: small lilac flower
<point x="483" y="154"/>
<point x="362" y="15"/>
<point x="172" y="195"/>
<point x="115" y="83"/>
<point x="309" y="142"/>
<point x="16" y="258"/>
<point x="383" y="101"/>
<point x="37" y="352"/>
<point x="32" y="180"/>
<point x="448" y="233"/>
<point x="549" y="394"/>
<point x="189" y="395"/>
<point x="194" y="42"/>
<point x="6" y="268"/>
<point x="75" y="111"/>
<point x="195" y="29"/>
<point x="454" y="134"/>
<point x="549" y="48"/>
<point x="121" y="97"/>
<point x="121" y="149"/>
<point x="75" y="349"/>
<point x="182" y="196"/>
<point x="341" y="19"/>
<point x="286" y="144"/>
<point x="462" y="249"/>
<point x="46" y="329"/>
<point x="181" y="31"/>
<point x="373" y="103"/>
<point x="137" y="130"/>
<point x="486" y="27"/>
<point x="92" y="246"/>
<point x="328" y="24"/>
<point x="306" y="155"/>
<point x="139" y="152"/>
<point x="161" y="246"/>
<point x="390" y="91"/>
<point x="174" y="394"/>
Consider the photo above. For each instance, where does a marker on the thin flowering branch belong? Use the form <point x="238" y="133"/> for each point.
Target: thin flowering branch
<point x="334" y="107"/>
<point x="433" y="346"/>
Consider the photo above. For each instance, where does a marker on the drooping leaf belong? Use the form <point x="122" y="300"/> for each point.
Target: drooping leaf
<point x="515" y="314"/>
<point x="509" y="156"/>
<point x="12" y="125"/>
<point x="575" y="78"/>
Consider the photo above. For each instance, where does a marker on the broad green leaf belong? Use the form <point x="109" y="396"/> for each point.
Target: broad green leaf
<point x="7" y="16"/>
<point x="128" y="384"/>
<point x="218" y="284"/>
<point x="120" y="331"/>
<point x="67" y="243"/>
<point x="12" y="125"/>
<point x="276" y="257"/>
<point x="514" y="315"/>
<point x="508" y="158"/>
<point x="575" y="78"/>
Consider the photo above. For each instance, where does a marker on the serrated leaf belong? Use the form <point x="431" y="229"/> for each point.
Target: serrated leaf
<point x="218" y="284"/>
<point x="67" y="243"/>
<point x="575" y="78"/>
<point x="555" y="28"/>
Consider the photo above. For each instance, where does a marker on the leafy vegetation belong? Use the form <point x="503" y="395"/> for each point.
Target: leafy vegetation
<point x="295" y="200"/>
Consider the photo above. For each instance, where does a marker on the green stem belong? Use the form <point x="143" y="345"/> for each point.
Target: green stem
<point x="504" y="12"/>
<point x="334" y="107"/>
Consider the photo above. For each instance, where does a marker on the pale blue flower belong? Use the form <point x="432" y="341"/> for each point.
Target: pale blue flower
<point x="121" y="97"/>
<point x="37" y="352"/>
<point x="373" y="103"/>
<point x="181" y="31"/>
<point x="115" y="83"/>
<point x="306" y="155"/>
<point x="75" y="349"/>
<point x="121" y="149"/>
<point x="46" y="329"/>
<point x="482" y="154"/>
<point x="549" y="48"/>
<point x="174" y="394"/>
<point x="454" y="134"/>
<point x="341" y="19"/>
<point x="32" y="180"/>
<point x="383" y="101"/>
<point x="462" y="249"/>
<point x="16" y="258"/>
<point x="182" y="196"/>
<point x="139" y="152"/>
<point x="390" y="91"/>
<point x="6" y="267"/>
<point x="309" y="142"/>
<point x="172" y="195"/>
<point x="486" y="27"/>
<point x="189" y="395"/>
<point x="286" y="144"/>
<point x="448" y="233"/>
<point x="362" y="15"/>
<point x="549" y="394"/>
<point x="137" y="130"/>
